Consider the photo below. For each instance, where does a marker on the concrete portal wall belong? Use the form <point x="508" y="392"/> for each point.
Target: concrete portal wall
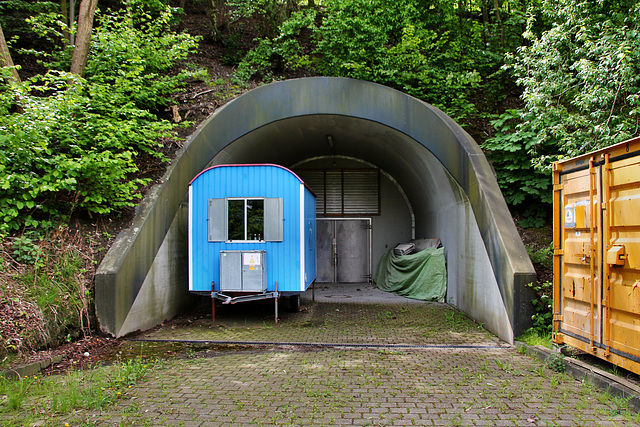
<point x="479" y="228"/>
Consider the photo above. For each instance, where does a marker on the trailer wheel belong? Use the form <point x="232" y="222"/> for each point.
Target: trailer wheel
<point x="294" y="303"/>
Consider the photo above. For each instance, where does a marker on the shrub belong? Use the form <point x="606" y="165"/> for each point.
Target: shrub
<point x="543" y="305"/>
<point x="69" y="144"/>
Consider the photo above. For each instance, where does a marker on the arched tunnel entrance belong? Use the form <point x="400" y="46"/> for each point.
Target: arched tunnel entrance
<point x="432" y="181"/>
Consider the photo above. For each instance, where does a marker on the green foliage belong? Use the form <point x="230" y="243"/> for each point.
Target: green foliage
<point x="68" y="150"/>
<point x="543" y="305"/>
<point x="535" y="337"/>
<point x="14" y="12"/>
<point x="428" y="52"/>
<point x="127" y="60"/>
<point x="509" y="151"/>
<point x="68" y="143"/>
<point x="556" y="362"/>
<point x="543" y="256"/>
<point x="26" y="250"/>
<point x="581" y="91"/>
<point x="581" y="78"/>
<point x="390" y="44"/>
<point x="282" y="52"/>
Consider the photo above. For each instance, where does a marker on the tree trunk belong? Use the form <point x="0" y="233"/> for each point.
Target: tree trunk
<point x="83" y="36"/>
<point x="5" y="57"/>
<point x="485" y="23"/>
<point x="64" y="7"/>
<point x="180" y="28"/>
<point x="496" y="6"/>
<point x="72" y="19"/>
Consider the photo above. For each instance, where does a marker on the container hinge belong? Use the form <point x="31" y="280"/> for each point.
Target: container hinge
<point x="558" y="317"/>
<point x="558" y="338"/>
<point x="558" y="187"/>
<point x="558" y="252"/>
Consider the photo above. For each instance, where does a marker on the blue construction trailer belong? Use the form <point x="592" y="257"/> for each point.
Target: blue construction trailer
<point x="252" y="234"/>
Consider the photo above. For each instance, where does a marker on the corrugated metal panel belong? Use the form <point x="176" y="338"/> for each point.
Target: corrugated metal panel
<point x="361" y="192"/>
<point x="333" y="193"/>
<point x="597" y="254"/>
<point x="344" y="192"/>
<point x="315" y="180"/>
<point x="623" y="238"/>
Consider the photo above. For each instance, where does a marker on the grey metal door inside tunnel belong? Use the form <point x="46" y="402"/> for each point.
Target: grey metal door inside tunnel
<point x="343" y="250"/>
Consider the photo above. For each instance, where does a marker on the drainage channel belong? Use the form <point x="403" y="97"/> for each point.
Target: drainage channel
<point x="341" y="345"/>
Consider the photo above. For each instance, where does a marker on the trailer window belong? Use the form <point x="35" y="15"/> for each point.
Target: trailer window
<point x="245" y="219"/>
<point x="239" y="219"/>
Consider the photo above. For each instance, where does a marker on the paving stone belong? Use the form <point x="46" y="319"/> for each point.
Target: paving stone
<point x="358" y="378"/>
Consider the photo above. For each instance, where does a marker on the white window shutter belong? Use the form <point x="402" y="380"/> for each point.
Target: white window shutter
<point x="273" y="220"/>
<point x="217" y="221"/>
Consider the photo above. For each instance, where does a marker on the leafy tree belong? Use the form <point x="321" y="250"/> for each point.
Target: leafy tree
<point x="581" y="78"/>
<point x="420" y="47"/>
<point x="581" y="91"/>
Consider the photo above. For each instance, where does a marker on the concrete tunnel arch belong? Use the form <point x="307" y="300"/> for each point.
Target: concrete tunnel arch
<point x="446" y="178"/>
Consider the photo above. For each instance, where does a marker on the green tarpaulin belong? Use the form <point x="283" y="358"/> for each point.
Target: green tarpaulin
<point x="421" y="275"/>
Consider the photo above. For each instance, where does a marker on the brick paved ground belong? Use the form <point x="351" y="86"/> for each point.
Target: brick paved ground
<point x="338" y="323"/>
<point x="473" y="380"/>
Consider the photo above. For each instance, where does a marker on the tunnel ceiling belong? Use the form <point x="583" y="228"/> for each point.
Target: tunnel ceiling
<point x="294" y="140"/>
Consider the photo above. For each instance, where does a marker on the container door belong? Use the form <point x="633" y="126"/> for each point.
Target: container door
<point x="344" y="250"/>
<point x="597" y="255"/>
<point x="622" y="256"/>
<point x="580" y="262"/>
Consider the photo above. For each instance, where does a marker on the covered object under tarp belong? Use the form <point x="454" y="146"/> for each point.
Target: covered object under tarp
<point x="420" y="275"/>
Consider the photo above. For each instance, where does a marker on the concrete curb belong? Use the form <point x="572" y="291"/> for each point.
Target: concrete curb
<point x="616" y="386"/>
<point x="31" y="369"/>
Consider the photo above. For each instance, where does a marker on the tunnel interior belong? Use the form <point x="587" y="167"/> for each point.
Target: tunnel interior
<point x="418" y="197"/>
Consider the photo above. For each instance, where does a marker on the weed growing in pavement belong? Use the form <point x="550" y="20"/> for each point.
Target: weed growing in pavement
<point x="502" y="365"/>
<point x="133" y="408"/>
<point x="617" y="406"/>
<point x="614" y="370"/>
<point x="456" y="421"/>
<point x="538" y="370"/>
<point x="555" y="361"/>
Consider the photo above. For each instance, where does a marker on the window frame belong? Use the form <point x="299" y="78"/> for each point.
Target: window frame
<point x="246" y="220"/>
<point x="272" y="220"/>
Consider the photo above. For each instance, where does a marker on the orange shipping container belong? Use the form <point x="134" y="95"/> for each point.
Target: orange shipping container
<point x="596" y="292"/>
